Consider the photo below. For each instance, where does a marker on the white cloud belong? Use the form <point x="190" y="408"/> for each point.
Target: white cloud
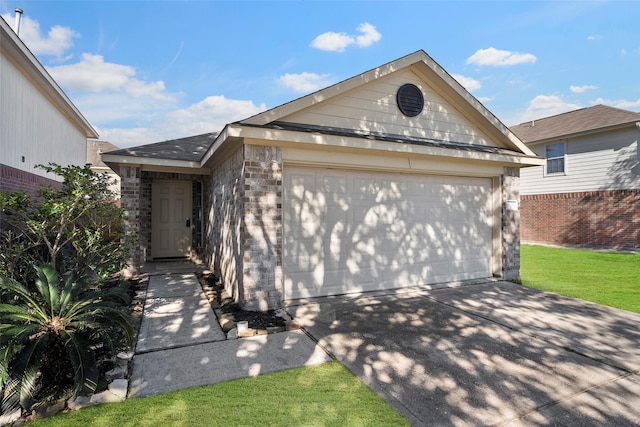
<point x="500" y="58"/>
<point x="338" y="42"/>
<point x="485" y="99"/>
<point x="130" y="137"/>
<point x="581" y="89"/>
<point x="55" y="43"/>
<point x="618" y="103"/>
<point x="370" y="35"/>
<point x="594" y="37"/>
<point x="305" y="82"/>
<point x="469" y="83"/>
<point x="209" y="115"/>
<point x="93" y="74"/>
<point x="545" y="106"/>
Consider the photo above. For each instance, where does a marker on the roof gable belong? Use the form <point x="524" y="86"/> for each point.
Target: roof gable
<point x="584" y="120"/>
<point x="366" y="104"/>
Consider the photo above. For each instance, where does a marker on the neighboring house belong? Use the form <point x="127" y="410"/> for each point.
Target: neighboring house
<point x="38" y="123"/>
<point x="94" y="150"/>
<point x="588" y="191"/>
<point x="394" y="178"/>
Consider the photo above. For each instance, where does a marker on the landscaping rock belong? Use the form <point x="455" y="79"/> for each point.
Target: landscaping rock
<point x="227" y="322"/>
<point x="232" y="334"/>
<point x="120" y="371"/>
<point x="106" y="397"/>
<point x="10" y="417"/>
<point x="125" y="355"/>
<point x="79" y="402"/>
<point x="291" y="325"/>
<point x="246" y="333"/>
<point x="48" y="409"/>
<point x="119" y="387"/>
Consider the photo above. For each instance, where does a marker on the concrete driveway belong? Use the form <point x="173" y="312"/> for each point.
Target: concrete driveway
<point x="487" y="354"/>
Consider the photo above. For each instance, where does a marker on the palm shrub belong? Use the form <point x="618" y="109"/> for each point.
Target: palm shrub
<point x="50" y="333"/>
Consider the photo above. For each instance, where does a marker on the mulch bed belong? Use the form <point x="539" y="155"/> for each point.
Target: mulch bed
<point x="227" y="310"/>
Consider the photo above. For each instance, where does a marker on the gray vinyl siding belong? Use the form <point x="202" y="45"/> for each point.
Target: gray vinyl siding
<point x="598" y="162"/>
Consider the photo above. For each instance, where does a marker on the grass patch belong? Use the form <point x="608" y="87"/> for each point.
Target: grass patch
<point x="324" y="395"/>
<point x="611" y="279"/>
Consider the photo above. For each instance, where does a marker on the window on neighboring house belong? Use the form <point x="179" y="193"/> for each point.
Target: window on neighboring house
<point x="555" y="158"/>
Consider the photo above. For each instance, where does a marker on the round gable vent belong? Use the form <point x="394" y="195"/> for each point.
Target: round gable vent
<point x="410" y="100"/>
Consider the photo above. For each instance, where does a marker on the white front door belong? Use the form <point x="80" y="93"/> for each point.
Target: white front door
<point x="171" y="220"/>
<point x="349" y="231"/>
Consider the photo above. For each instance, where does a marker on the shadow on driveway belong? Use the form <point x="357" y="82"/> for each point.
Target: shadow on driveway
<point x="487" y="354"/>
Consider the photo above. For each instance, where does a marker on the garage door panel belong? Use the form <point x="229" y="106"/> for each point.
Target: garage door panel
<point x="381" y="231"/>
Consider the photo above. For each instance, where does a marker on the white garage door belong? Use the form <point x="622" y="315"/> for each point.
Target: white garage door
<point x="348" y="231"/>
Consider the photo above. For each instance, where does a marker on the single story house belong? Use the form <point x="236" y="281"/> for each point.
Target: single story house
<point x="588" y="191"/>
<point x="394" y="178"/>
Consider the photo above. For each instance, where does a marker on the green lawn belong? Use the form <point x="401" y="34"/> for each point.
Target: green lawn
<point x="611" y="279"/>
<point x="324" y="395"/>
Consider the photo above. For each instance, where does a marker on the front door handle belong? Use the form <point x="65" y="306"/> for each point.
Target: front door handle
<point x="188" y="223"/>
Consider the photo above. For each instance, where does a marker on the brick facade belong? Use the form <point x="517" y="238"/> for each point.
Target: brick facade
<point x="12" y="179"/>
<point x="224" y="237"/>
<point x="262" y="258"/>
<point x="130" y="201"/>
<point x="594" y="219"/>
<point x="510" y="225"/>
<point x="245" y="237"/>
<point x="243" y="230"/>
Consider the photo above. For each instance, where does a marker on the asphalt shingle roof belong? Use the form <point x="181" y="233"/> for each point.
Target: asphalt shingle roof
<point x="583" y="120"/>
<point x="191" y="148"/>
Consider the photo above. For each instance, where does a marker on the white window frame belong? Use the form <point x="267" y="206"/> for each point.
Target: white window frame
<point x="563" y="157"/>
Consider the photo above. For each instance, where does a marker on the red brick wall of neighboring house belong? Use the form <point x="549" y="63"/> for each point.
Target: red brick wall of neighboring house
<point x="12" y="179"/>
<point x="597" y="218"/>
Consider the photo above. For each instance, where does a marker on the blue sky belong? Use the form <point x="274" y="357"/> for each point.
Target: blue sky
<point x="147" y="71"/>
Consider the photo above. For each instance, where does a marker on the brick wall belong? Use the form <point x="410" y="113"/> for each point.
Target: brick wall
<point x="598" y="218"/>
<point x="245" y="238"/>
<point x="262" y="258"/>
<point x="510" y="225"/>
<point x="224" y="236"/>
<point x="130" y="178"/>
<point x="12" y="179"/>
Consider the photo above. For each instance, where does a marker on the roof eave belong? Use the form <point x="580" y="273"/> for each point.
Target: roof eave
<point x="258" y="135"/>
<point x="633" y="123"/>
<point x="111" y="159"/>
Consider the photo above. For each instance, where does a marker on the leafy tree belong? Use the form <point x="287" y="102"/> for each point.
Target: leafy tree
<point x="77" y="227"/>
<point x="48" y="336"/>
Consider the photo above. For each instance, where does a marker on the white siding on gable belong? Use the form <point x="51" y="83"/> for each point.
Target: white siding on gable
<point x="33" y="128"/>
<point x="372" y="108"/>
<point x="593" y="163"/>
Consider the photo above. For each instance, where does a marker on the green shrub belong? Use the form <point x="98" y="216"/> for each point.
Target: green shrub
<point x="77" y="227"/>
<point x="50" y="332"/>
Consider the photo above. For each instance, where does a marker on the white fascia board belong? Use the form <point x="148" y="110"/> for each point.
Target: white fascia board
<point x="21" y="56"/>
<point x="149" y="161"/>
<point x="220" y="139"/>
<point x="264" y="136"/>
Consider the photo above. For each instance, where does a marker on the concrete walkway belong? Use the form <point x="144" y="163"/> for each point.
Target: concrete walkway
<point x="181" y="344"/>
